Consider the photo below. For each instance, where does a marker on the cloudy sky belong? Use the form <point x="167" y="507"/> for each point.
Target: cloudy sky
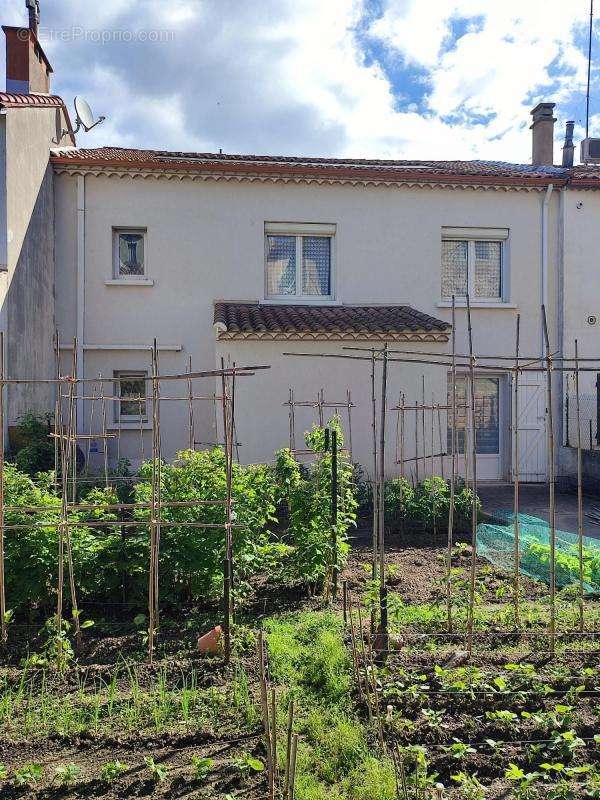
<point x="363" y="78"/>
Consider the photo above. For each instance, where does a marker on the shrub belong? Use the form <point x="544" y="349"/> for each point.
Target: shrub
<point x="307" y="492"/>
<point x="191" y="558"/>
<point x="35" y="450"/>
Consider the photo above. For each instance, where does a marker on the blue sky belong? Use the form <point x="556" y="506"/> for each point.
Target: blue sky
<point x="363" y="78"/>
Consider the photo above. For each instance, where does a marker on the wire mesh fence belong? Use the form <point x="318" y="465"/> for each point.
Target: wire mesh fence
<point x="589" y="414"/>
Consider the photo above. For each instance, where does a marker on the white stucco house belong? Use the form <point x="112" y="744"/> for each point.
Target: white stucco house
<point x="252" y="257"/>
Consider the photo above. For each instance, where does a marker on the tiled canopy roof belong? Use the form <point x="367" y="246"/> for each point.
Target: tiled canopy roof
<point x="255" y="321"/>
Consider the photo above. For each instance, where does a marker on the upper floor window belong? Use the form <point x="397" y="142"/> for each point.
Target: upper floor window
<point x="473" y="263"/>
<point x="130" y="389"/>
<point x="299" y="261"/>
<point x="129" y="253"/>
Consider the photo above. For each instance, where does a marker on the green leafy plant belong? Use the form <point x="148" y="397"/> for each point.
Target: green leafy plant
<point x="307" y="493"/>
<point x="246" y="764"/>
<point x="470" y="787"/>
<point x="201" y="767"/>
<point x="65" y="774"/>
<point x="3" y="772"/>
<point x="29" y="775"/>
<point x="112" y="771"/>
<point x="157" y="772"/>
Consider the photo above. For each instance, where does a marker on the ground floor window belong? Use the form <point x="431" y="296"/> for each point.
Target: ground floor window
<point x="487" y="414"/>
<point x="130" y="389"/>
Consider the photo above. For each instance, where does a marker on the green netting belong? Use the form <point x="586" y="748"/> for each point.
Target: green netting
<point x="496" y="543"/>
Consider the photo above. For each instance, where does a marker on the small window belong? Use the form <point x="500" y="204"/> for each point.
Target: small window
<point x="130" y="389"/>
<point x="299" y="261"/>
<point x="129" y="254"/>
<point x="474" y="267"/>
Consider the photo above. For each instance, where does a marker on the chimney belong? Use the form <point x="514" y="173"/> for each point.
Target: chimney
<point x="27" y="68"/>
<point x="543" y="135"/>
<point x="568" y="150"/>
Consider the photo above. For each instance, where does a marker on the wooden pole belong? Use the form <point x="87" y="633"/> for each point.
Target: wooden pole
<point x="516" y="458"/>
<point x="3" y="620"/>
<point x="273" y="776"/>
<point x="264" y="700"/>
<point x="374" y="483"/>
<point x="292" y="789"/>
<point x="191" y="437"/>
<point x="156" y="508"/>
<point x="473" y="573"/>
<point x="334" y="512"/>
<point x="350" y="451"/>
<point x="551" y="484"/>
<point x="383" y="607"/>
<point x="288" y="752"/>
<point x="579" y="490"/>
<point x="443" y="446"/>
<point x="452" y="477"/>
<point x="423" y="440"/>
<point x="73" y="413"/>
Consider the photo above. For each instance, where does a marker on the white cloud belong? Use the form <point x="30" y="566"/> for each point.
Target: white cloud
<point x="293" y="78"/>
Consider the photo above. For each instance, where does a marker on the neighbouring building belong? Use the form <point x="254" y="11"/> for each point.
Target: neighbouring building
<point x="254" y="258"/>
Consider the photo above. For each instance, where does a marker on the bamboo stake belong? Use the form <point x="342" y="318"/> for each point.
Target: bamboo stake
<point x="355" y="659"/>
<point x="452" y="478"/>
<point x="579" y="491"/>
<point x="383" y="607"/>
<point x="273" y="776"/>
<point x="350" y="451"/>
<point x="551" y="486"/>
<point x="264" y="699"/>
<point x="417" y="440"/>
<point x="3" y="620"/>
<point x="374" y="484"/>
<point x="191" y="436"/>
<point x="473" y="574"/>
<point x="334" y="512"/>
<point x="370" y="705"/>
<point x="442" y="447"/>
<point x="74" y="607"/>
<point x="292" y="789"/>
<point x="517" y="455"/>
<point x="424" y="440"/>
<point x="288" y="752"/>
<point x="155" y="512"/>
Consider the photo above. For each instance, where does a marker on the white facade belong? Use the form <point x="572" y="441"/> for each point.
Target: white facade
<point x="205" y="241"/>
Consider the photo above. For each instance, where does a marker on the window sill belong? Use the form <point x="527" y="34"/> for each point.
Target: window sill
<point x="300" y="301"/>
<point x="475" y="304"/>
<point x="129" y="282"/>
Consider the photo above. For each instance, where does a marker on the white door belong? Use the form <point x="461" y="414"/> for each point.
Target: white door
<point x="489" y="419"/>
<point x="531" y="418"/>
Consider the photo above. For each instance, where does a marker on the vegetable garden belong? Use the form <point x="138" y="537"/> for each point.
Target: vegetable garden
<point x="203" y="628"/>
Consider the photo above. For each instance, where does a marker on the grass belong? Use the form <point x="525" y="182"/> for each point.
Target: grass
<point x="308" y="657"/>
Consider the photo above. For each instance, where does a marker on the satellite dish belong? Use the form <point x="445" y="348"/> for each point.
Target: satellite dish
<point x="84" y="117"/>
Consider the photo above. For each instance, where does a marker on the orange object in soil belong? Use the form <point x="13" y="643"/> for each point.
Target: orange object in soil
<point x="209" y="643"/>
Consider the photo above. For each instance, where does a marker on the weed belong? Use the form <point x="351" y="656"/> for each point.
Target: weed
<point x="3" y="772"/>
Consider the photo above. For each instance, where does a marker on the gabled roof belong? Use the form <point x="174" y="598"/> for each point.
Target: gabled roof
<point x="235" y="320"/>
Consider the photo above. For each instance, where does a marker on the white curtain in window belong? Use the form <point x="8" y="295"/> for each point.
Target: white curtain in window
<point x="316" y="265"/>
<point x="281" y="265"/>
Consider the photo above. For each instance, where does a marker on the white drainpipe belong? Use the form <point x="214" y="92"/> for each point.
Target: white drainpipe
<point x="80" y="332"/>
<point x="545" y="210"/>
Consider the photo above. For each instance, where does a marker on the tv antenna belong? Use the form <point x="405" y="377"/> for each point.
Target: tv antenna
<point x="587" y="96"/>
<point x="84" y="116"/>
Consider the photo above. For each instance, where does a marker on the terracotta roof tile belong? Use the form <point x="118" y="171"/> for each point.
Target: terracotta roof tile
<point x="253" y="320"/>
<point x="14" y="100"/>
<point x="491" y="171"/>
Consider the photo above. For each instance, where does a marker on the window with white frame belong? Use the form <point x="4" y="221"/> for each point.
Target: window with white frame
<point x="129" y="246"/>
<point x="473" y="263"/>
<point x="130" y="391"/>
<point x="299" y="261"/>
